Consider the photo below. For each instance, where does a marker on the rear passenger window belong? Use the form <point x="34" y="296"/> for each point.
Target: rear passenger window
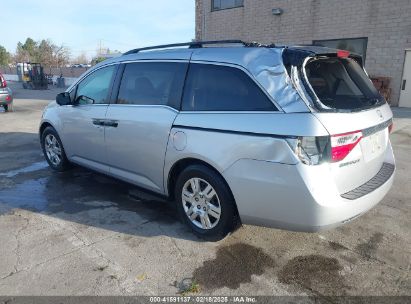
<point x="152" y="83"/>
<point x="221" y="88"/>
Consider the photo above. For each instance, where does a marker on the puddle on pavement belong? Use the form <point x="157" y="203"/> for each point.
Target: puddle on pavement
<point x="28" y="195"/>
<point x="314" y="272"/>
<point x="32" y="168"/>
<point x="233" y="265"/>
<point x="72" y="194"/>
<point x="368" y="249"/>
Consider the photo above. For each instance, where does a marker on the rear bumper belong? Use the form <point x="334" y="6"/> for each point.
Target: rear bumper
<point x="297" y="197"/>
<point x="3" y="100"/>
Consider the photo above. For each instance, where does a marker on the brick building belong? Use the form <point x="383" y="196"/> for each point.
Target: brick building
<point x="380" y="30"/>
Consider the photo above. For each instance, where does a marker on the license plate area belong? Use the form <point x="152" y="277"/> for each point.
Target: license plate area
<point x="373" y="145"/>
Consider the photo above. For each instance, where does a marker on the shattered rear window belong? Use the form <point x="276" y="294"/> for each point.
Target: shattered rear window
<point x="341" y="84"/>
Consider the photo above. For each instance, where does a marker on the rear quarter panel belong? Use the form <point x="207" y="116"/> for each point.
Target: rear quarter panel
<point x="221" y="139"/>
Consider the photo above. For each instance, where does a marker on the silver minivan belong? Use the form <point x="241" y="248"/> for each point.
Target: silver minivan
<point x="287" y="137"/>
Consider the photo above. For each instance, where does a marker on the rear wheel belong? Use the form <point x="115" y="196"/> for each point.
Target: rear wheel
<point x="205" y="203"/>
<point x="6" y="108"/>
<point x="53" y="150"/>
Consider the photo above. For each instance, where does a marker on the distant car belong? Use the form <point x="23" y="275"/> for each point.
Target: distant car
<point x="6" y="95"/>
<point x="81" y="65"/>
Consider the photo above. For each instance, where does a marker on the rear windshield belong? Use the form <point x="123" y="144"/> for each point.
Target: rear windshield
<point x="341" y="84"/>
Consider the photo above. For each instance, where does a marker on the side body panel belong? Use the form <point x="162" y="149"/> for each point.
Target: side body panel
<point x="83" y="140"/>
<point x="137" y="146"/>
<point x="221" y="139"/>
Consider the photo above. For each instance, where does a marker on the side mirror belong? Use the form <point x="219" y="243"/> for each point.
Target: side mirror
<point x="63" y="99"/>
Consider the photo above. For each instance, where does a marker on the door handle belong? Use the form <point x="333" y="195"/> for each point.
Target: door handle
<point x="404" y="82"/>
<point x="98" y="122"/>
<point x="111" y="123"/>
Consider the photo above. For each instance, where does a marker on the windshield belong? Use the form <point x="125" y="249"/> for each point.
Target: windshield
<point x="341" y="84"/>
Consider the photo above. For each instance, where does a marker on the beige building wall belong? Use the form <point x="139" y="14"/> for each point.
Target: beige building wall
<point x="386" y="24"/>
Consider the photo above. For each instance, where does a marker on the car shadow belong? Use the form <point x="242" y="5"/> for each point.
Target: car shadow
<point x="80" y="195"/>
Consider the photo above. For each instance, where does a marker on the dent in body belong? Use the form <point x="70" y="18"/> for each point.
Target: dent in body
<point x="220" y="138"/>
<point x="267" y="67"/>
<point x="221" y="150"/>
<point x="273" y="123"/>
<point x="296" y="197"/>
<point x="342" y="122"/>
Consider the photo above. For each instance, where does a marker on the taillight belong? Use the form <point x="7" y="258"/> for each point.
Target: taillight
<point x="3" y="82"/>
<point x="391" y="128"/>
<point x="310" y="150"/>
<point x="8" y="98"/>
<point x="343" y="144"/>
<point x="343" y="54"/>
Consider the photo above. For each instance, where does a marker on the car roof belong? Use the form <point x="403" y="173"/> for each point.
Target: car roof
<point x="265" y="63"/>
<point x="239" y="55"/>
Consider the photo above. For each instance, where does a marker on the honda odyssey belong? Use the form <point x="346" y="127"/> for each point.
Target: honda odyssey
<point x="289" y="137"/>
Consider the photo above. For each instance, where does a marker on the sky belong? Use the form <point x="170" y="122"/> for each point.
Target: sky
<point x="82" y="24"/>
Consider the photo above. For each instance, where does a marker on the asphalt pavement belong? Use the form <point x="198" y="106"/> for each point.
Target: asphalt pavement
<point x="82" y="233"/>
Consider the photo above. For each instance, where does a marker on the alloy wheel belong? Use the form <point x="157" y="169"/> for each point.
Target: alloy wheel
<point x="53" y="149"/>
<point x="201" y="203"/>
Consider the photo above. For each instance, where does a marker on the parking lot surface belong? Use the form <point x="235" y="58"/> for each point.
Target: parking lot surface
<point x="82" y="233"/>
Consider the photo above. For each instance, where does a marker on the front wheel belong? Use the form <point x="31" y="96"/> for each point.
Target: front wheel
<point x="205" y="203"/>
<point x="53" y="150"/>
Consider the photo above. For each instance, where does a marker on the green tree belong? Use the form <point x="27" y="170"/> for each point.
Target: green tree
<point x="97" y="60"/>
<point x="4" y="56"/>
<point x="44" y="52"/>
<point x="31" y="47"/>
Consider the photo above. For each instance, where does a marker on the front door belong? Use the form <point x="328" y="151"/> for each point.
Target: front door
<point x="405" y="95"/>
<point x="83" y="129"/>
<point x="148" y="98"/>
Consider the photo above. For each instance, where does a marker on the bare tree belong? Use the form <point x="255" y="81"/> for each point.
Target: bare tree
<point x="61" y="55"/>
<point x="82" y="59"/>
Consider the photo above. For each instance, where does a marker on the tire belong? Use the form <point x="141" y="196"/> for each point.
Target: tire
<point x="51" y="145"/>
<point x="219" y="208"/>
<point x="6" y="108"/>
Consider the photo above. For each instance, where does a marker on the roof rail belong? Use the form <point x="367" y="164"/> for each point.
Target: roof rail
<point x="191" y="45"/>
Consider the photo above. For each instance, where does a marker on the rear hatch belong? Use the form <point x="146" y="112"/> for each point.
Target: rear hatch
<point x="354" y="113"/>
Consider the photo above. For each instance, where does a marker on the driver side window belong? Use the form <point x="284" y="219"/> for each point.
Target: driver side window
<point x="96" y="86"/>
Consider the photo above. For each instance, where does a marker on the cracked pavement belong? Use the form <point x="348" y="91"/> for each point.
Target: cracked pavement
<point x="82" y="233"/>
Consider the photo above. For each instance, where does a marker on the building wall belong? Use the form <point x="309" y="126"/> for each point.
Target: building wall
<point x="387" y="24"/>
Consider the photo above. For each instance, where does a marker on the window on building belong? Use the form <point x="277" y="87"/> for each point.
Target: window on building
<point x="221" y="88"/>
<point x="224" y="4"/>
<point x="157" y="83"/>
<point x="354" y="45"/>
